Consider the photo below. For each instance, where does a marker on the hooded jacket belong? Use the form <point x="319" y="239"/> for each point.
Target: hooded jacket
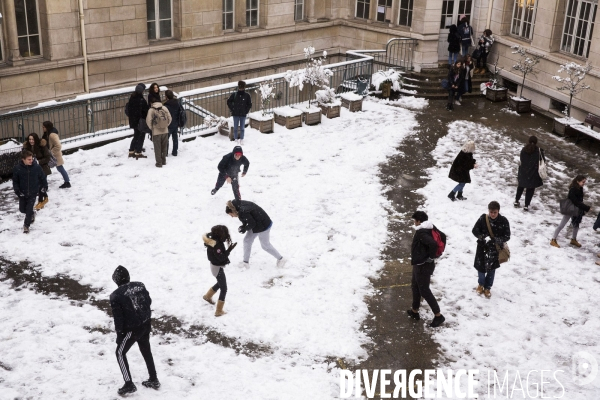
<point x="215" y="251"/>
<point x="155" y="110"/>
<point x="461" y="167"/>
<point x="239" y="103"/>
<point x="230" y="166"/>
<point x="138" y="107"/>
<point x="41" y="154"/>
<point x="252" y="216"/>
<point x="28" y="179"/>
<point x="453" y="40"/>
<point x="423" y="247"/>
<point x="130" y="303"/>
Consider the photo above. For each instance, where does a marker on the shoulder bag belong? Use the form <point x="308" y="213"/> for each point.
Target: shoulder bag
<point x="503" y="253"/>
<point x="542" y="167"/>
<point x="567" y="207"/>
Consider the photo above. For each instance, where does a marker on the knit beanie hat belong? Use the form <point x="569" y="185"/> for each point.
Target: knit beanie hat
<point x="121" y="275"/>
<point x="139" y="89"/>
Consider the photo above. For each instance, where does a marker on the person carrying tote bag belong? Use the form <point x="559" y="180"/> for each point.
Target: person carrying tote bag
<point x="529" y="176"/>
<point x="572" y="209"/>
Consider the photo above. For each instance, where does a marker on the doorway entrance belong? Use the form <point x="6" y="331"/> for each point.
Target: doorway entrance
<point x="451" y="10"/>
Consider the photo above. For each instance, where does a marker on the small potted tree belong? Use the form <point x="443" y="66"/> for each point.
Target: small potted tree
<point x="263" y="120"/>
<point x="386" y="81"/>
<point x="313" y="74"/>
<point x="525" y="65"/>
<point x="493" y="91"/>
<point x="330" y="106"/>
<point x="572" y="84"/>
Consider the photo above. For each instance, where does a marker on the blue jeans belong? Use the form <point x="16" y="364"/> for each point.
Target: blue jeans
<point x="62" y="171"/>
<point x="238" y="126"/>
<point x="486" y="279"/>
<point x="465" y="47"/>
<point x="459" y="187"/>
<point x="452" y="57"/>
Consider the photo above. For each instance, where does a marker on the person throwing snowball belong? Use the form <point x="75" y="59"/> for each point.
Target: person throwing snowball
<point x="229" y="168"/>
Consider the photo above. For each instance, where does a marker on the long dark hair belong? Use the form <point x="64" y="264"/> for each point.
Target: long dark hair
<point x="575" y="183"/>
<point x="36" y="140"/>
<point x="531" y="145"/>
<point x="220" y="233"/>
<point x="49" y="126"/>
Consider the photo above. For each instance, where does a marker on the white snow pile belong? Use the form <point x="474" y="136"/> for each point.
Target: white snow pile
<point x="287" y="111"/>
<point x="543" y="309"/>
<point x="329" y="220"/>
<point x="350" y="96"/>
<point x="411" y="102"/>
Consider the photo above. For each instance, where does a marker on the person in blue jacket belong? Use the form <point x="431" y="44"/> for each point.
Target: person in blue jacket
<point x="28" y="180"/>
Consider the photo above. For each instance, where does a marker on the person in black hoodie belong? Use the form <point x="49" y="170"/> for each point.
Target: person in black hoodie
<point x="130" y="305"/>
<point x="239" y="104"/>
<point x="528" y="176"/>
<point x="174" y="108"/>
<point x="28" y="180"/>
<point x="423" y="251"/>
<point x="453" y="40"/>
<point x="255" y="222"/>
<point x="486" y="257"/>
<point x="460" y="170"/>
<point x="229" y="168"/>
<point x="455" y="83"/>
<point x="218" y="257"/>
<point x="154" y="94"/>
<point x="576" y="196"/>
<point x="137" y="108"/>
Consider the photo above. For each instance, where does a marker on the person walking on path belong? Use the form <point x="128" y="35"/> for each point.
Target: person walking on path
<point x="528" y="176"/>
<point x="137" y="110"/>
<point x="422" y="253"/>
<point x="460" y="170"/>
<point x="154" y="94"/>
<point x="130" y="305"/>
<point x="466" y="34"/>
<point x="576" y="196"/>
<point x="159" y="119"/>
<point x="486" y="256"/>
<point x="239" y="104"/>
<point x="485" y="45"/>
<point x="174" y="108"/>
<point x="218" y="257"/>
<point x="453" y="40"/>
<point x="255" y="222"/>
<point x="229" y="168"/>
<point x="53" y="143"/>
<point x="455" y="83"/>
<point x="28" y="180"/>
<point x="42" y="155"/>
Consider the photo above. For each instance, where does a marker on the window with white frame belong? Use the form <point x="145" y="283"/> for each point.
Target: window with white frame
<point x="406" y="11"/>
<point x="228" y="15"/>
<point x="251" y="12"/>
<point x="28" y="32"/>
<point x="523" y="18"/>
<point x="160" y="19"/>
<point x="362" y="8"/>
<point x="464" y="8"/>
<point x="384" y="10"/>
<point x="447" y="14"/>
<point x="298" y="10"/>
<point x="579" y="27"/>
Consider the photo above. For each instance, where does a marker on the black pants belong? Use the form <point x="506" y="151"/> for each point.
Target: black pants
<point x="26" y="204"/>
<point x="235" y="185"/>
<point x="421" y="279"/>
<point x="221" y="284"/>
<point x="141" y="335"/>
<point x="453" y="94"/>
<point x="528" y="195"/>
<point x="482" y="59"/>
<point x="137" y="142"/>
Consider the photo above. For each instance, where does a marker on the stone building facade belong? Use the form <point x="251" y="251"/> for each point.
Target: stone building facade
<point x="168" y="41"/>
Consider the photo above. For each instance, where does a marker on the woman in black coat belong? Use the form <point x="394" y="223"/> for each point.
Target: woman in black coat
<point x="460" y="170"/>
<point x="576" y="196"/>
<point x="42" y="155"/>
<point x="154" y="94"/>
<point x="455" y="83"/>
<point x="137" y="109"/>
<point x="529" y="176"/>
<point x="453" y="40"/>
<point x="218" y="258"/>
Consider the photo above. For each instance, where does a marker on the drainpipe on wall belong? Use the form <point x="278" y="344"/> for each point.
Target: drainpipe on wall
<point x="86" y="86"/>
<point x="489" y="14"/>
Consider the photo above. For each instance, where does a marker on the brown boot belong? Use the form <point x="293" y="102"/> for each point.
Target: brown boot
<point x="479" y="289"/>
<point x="554" y="243"/>
<point x="208" y="296"/>
<point x="131" y="154"/>
<point x="575" y="243"/>
<point x="220" y="305"/>
<point x="139" y="155"/>
<point x="487" y="293"/>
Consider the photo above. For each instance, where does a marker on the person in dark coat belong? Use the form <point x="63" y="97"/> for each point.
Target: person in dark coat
<point x="130" y="305"/>
<point x="460" y="170"/>
<point x="466" y="34"/>
<point x="423" y="251"/>
<point x="174" y="108"/>
<point x="576" y="196"/>
<point x="154" y="94"/>
<point x="255" y="222"/>
<point x="485" y="45"/>
<point x="455" y="83"/>
<point x="229" y="168"/>
<point x="486" y="256"/>
<point x="528" y="176"/>
<point x="239" y="104"/>
<point x="138" y="110"/>
<point x="453" y="45"/>
<point x="42" y="155"/>
<point x="218" y="257"/>
<point x="28" y="180"/>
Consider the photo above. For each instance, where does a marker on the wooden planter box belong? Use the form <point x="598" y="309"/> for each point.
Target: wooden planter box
<point x="352" y="106"/>
<point x="225" y="130"/>
<point x="330" y="111"/>
<point x="386" y="90"/>
<point x="560" y="126"/>
<point x="289" y="122"/>
<point x="262" y="126"/>
<point x="522" y="106"/>
<point x="496" y="95"/>
<point x="312" y="118"/>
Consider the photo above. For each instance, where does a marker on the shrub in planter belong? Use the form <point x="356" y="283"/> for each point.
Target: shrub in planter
<point x="330" y="106"/>
<point x="525" y="65"/>
<point x="573" y="85"/>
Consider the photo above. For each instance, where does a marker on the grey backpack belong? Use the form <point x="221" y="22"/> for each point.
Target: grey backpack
<point x="160" y="119"/>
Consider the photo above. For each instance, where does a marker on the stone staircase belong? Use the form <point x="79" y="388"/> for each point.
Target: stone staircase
<point x="429" y="83"/>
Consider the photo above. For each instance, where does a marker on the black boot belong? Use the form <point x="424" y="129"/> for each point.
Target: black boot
<point x="129" y="387"/>
<point x="151" y="383"/>
<point x="451" y="195"/>
<point x="460" y="196"/>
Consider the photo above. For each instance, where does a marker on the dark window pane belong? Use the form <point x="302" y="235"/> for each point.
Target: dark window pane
<point x="32" y="25"/>
<point x="150" y="11"/>
<point x="1" y="50"/>
<point x="255" y="4"/>
<point x="409" y="22"/>
<point x="403" y="17"/>
<point x="34" y="45"/>
<point x="21" y="18"/>
<point x="24" y="46"/>
<point x="229" y="21"/>
<point x="164" y="7"/>
<point x="151" y="30"/>
<point x="254" y="18"/>
<point x="248" y="4"/>
<point x="165" y="28"/>
<point x="228" y="5"/>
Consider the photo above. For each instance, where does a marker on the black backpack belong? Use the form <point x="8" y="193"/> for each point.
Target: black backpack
<point x="182" y="117"/>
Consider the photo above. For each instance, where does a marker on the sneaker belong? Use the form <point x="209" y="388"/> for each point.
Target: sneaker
<point x="526" y="208"/>
<point x="413" y="315"/>
<point x="457" y="102"/>
<point x="487" y="293"/>
<point x="575" y="243"/>
<point x="281" y="262"/>
<point x="479" y="289"/>
<point x="241" y="142"/>
<point x="65" y="185"/>
<point x="244" y="264"/>
<point x="25" y="229"/>
<point x="437" y="321"/>
<point x="213" y="191"/>
<point x="151" y="383"/>
<point x="129" y="387"/>
<point x="517" y="204"/>
<point x="554" y="243"/>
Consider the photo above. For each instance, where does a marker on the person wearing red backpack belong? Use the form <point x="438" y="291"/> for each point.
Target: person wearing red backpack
<point x="428" y="243"/>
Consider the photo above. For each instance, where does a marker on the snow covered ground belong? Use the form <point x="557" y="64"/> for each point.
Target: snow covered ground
<point x="543" y="309"/>
<point x="319" y="185"/>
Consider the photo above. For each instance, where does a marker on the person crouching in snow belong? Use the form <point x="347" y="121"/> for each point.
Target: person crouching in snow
<point x="461" y="166"/>
<point x="219" y="258"/>
<point x="229" y="168"/>
<point x="423" y="251"/>
<point x="28" y="180"/>
<point x="255" y="222"/>
<point x="497" y="228"/>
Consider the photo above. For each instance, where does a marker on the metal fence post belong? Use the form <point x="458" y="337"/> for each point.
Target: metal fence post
<point x="89" y="116"/>
<point x="21" y="127"/>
